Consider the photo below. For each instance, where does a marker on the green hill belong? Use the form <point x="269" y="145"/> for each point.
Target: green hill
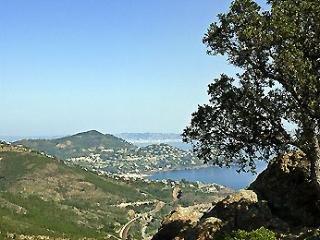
<point x="40" y="195"/>
<point x="81" y="144"/>
<point x="94" y="150"/>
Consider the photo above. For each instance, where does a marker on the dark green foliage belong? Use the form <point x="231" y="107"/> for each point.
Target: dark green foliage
<point x="259" y="234"/>
<point x="273" y="104"/>
<point x="315" y="236"/>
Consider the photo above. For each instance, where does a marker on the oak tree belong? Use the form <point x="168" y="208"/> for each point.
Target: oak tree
<point x="273" y="104"/>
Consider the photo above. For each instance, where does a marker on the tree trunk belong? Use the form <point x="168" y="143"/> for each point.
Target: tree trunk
<point x="315" y="163"/>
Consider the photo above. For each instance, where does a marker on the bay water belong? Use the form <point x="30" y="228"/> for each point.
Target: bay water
<point x="228" y="177"/>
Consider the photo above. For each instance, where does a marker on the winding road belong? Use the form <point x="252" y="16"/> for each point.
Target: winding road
<point x="123" y="234"/>
<point x="125" y="229"/>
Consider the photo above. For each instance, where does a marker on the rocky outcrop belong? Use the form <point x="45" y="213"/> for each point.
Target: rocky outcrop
<point x="286" y="187"/>
<point x="179" y="224"/>
<point x="241" y="210"/>
<point x="281" y="199"/>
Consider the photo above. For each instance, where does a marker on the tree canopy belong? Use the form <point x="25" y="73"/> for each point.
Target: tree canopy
<point x="273" y="103"/>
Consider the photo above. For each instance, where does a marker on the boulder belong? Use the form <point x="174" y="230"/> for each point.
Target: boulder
<point x="285" y="185"/>
<point x="207" y="228"/>
<point x="179" y="224"/>
<point x="242" y="210"/>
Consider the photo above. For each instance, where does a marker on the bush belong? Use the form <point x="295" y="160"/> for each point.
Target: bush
<point x="259" y="234"/>
<point x="315" y="236"/>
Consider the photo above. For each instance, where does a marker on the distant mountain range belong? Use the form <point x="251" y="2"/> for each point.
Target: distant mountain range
<point x="95" y="150"/>
<point x="138" y="139"/>
<point x="144" y="139"/>
<point x="150" y="136"/>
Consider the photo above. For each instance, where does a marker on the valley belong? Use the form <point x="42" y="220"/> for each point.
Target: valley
<point x="41" y="195"/>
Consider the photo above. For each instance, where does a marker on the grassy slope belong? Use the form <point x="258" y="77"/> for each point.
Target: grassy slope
<point x="58" y="200"/>
<point x="42" y="196"/>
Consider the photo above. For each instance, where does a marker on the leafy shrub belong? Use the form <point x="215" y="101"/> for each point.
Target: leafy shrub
<point x="315" y="236"/>
<point x="259" y="234"/>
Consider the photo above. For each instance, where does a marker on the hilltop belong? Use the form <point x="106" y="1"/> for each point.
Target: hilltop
<point x="106" y="152"/>
<point x="77" y="145"/>
<point x="42" y="196"/>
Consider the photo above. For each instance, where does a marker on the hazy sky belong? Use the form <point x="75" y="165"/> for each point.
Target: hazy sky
<point x="112" y="65"/>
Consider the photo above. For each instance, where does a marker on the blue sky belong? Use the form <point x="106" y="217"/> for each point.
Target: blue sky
<point x="113" y="65"/>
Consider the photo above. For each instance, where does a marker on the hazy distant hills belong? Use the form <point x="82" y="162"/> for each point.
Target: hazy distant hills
<point x="144" y="139"/>
<point x="95" y="150"/>
<point x="151" y="136"/>
<point x="40" y="195"/>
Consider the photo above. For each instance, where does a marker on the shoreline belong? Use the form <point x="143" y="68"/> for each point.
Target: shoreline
<point x="146" y="175"/>
<point x="149" y="173"/>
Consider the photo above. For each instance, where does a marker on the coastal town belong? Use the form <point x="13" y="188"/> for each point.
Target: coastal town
<point x="139" y="161"/>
